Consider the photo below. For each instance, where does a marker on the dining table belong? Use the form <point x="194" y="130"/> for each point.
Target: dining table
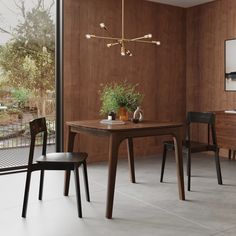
<point x="116" y="133"/>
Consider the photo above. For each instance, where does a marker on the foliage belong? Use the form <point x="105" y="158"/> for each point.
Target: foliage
<point x="4" y="117"/>
<point x="13" y="111"/>
<point x="28" y="59"/>
<point x="10" y="115"/>
<point x="116" y="95"/>
<point x="21" y="95"/>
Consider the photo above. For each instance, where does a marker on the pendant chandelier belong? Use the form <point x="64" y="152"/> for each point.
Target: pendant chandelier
<point x="122" y="40"/>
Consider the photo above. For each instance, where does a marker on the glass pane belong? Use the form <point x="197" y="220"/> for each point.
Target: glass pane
<point x="27" y="68"/>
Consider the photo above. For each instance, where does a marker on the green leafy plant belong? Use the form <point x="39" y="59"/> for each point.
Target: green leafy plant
<point x="116" y="95"/>
<point x="21" y="95"/>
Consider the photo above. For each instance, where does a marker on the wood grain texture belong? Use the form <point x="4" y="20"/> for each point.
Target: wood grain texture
<point x="160" y="71"/>
<point x="117" y="133"/>
<point x="226" y="130"/>
<point x="208" y="26"/>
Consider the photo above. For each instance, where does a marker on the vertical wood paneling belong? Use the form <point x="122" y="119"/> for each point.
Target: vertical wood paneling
<point x="208" y="26"/>
<point x="160" y="71"/>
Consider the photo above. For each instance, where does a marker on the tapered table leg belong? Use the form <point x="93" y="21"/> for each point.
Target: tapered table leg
<point x="131" y="159"/>
<point x="179" y="164"/>
<point x="112" y="166"/>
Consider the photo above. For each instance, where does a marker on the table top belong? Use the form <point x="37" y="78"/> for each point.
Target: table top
<point x="146" y="124"/>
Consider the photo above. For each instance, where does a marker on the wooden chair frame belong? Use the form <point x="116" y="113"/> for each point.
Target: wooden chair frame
<point x="53" y="161"/>
<point x="207" y="118"/>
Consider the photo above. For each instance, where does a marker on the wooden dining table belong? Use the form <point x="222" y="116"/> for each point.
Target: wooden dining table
<point x="118" y="133"/>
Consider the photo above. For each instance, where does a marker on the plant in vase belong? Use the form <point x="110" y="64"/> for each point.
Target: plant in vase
<point x="120" y="98"/>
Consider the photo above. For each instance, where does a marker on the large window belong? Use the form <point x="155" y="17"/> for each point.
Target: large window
<point x="30" y="69"/>
<point x="27" y="68"/>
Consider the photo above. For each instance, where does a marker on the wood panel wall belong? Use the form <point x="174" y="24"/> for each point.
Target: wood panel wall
<point x="160" y="71"/>
<point x="208" y="26"/>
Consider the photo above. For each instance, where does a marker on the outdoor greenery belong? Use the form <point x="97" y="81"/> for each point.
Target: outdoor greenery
<point x="10" y="115"/>
<point x="27" y="61"/>
<point x="116" y="95"/>
<point x="21" y="96"/>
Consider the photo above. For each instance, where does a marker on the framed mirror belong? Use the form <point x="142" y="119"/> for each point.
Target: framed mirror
<point x="230" y="65"/>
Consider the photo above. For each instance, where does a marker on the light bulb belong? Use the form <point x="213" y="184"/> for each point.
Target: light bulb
<point x="109" y="45"/>
<point x="147" y="36"/>
<point x="88" y="36"/>
<point x="157" y="42"/>
<point x="122" y="51"/>
<point x="102" y="25"/>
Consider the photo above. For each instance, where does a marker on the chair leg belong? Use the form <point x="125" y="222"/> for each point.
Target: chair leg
<point x="234" y="154"/>
<point x="77" y="188"/>
<point x="86" y="181"/>
<point x="229" y="154"/>
<point x="218" y="169"/>
<point x="189" y="169"/>
<point x="67" y="182"/>
<point x="26" y="195"/>
<point x="163" y="162"/>
<point x="41" y="184"/>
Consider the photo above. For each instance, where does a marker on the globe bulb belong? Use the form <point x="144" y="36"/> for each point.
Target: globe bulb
<point x="88" y="36"/>
<point x="102" y="25"/>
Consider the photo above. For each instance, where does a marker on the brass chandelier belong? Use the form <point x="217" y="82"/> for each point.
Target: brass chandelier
<point x="122" y="40"/>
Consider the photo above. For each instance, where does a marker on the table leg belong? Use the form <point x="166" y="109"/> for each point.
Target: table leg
<point x="179" y="165"/>
<point x="112" y="166"/>
<point x="70" y="146"/>
<point x="131" y="159"/>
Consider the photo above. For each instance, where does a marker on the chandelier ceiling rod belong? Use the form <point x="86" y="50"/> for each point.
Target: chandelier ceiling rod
<point x="121" y="41"/>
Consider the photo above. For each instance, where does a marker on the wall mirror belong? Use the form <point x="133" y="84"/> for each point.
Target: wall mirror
<point x="230" y="65"/>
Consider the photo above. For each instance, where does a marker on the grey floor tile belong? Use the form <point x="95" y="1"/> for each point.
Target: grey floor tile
<point x="209" y="204"/>
<point x="145" y="208"/>
<point x="230" y="232"/>
<point x="59" y="217"/>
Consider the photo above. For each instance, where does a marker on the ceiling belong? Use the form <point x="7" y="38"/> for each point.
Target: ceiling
<point x="183" y="3"/>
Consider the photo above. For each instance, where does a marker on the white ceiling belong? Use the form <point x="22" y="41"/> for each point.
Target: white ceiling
<point x="183" y="3"/>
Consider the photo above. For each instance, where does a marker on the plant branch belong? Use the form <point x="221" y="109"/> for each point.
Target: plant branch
<point x="21" y="6"/>
<point x="51" y="5"/>
<point x="5" y="31"/>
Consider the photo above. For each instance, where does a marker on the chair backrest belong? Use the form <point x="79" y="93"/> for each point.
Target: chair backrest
<point x="203" y="118"/>
<point x="37" y="126"/>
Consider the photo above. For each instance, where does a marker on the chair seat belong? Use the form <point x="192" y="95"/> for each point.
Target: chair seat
<point x="66" y="157"/>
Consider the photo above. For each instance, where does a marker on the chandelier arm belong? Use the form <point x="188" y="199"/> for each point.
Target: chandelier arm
<point x="123" y="20"/>
<point x="122" y="40"/>
<point x="112" y="44"/>
<point x="142" y="41"/>
<point x="139" y="38"/>
<point x="104" y="37"/>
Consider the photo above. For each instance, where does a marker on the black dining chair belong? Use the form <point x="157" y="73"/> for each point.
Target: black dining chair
<point x="207" y="118"/>
<point x="53" y="161"/>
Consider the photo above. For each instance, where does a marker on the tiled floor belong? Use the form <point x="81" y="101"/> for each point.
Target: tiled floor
<point x="142" y="209"/>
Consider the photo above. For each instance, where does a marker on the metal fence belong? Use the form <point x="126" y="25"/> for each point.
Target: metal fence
<point x="18" y="134"/>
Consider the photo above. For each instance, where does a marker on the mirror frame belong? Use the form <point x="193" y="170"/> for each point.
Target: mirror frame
<point x="230" y="61"/>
